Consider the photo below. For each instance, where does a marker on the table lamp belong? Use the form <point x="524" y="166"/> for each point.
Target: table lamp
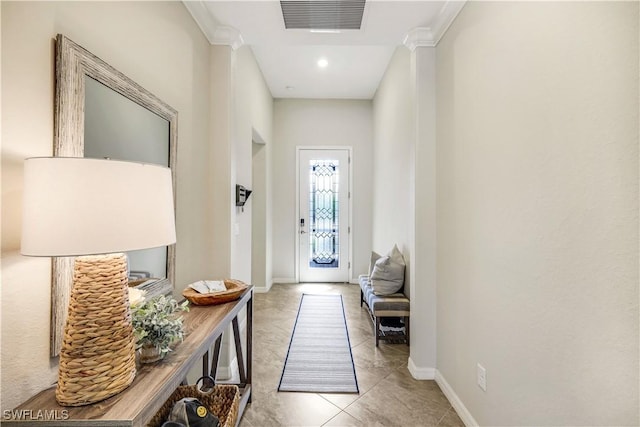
<point x="95" y="209"/>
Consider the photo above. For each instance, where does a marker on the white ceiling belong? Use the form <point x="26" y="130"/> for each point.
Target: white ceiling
<point x="357" y="58"/>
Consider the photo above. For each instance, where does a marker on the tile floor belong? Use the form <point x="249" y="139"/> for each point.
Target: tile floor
<point x="388" y="396"/>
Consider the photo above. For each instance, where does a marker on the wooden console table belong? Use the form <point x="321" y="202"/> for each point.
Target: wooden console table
<point x="154" y="383"/>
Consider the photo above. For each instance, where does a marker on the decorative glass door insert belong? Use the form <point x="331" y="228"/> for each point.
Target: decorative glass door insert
<point x="324" y="221"/>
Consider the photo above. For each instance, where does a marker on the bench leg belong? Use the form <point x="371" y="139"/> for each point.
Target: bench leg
<point x="377" y="330"/>
<point x="406" y="329"/>
<point x="361" y="297"/>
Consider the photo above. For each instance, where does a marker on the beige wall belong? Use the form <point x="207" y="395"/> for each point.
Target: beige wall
<point x="320" y="123"/>
<point x="159" y="46"/>
<point x="537" y="211"/>
<point x="222" y="159"/>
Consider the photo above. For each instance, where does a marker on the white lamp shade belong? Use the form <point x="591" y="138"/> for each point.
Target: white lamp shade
<point x="81" y="206"/>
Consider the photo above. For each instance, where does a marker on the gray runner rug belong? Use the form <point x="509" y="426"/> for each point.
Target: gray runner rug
<point x="319" y="358"/>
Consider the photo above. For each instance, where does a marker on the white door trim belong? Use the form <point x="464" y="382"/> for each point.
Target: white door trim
<point x="297" y="205"/>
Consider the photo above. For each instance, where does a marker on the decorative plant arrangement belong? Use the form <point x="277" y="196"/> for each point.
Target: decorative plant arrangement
<point x="157" y="326"/>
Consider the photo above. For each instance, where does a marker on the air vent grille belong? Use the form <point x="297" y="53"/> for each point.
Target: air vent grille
<point x="322" y="14"/>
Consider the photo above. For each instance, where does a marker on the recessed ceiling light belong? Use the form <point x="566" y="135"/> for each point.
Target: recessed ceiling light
<point x="322" y="62"/>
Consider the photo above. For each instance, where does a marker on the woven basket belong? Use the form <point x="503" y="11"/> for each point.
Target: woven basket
<point x="222" y="400"/>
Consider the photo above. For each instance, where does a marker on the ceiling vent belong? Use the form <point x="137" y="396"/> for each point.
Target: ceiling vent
<point x="322" y="14"/>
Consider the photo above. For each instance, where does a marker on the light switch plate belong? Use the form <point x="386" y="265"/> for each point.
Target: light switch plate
<point x="482" y="377"/>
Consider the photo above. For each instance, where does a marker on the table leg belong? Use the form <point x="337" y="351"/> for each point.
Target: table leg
<point x="216" y="356"/>
<point x="249" y="340"/>
<point x="236" y="336"/>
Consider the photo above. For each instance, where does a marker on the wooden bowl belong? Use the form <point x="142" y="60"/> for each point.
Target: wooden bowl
<point x="235" y="288"/>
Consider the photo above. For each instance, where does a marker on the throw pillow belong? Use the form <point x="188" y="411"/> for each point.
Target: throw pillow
<point x="387" y="276"/>
<point x="372" y="263"/>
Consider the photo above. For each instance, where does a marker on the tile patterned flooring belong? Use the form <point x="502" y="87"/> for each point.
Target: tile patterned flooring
<point x="389" y="396"/>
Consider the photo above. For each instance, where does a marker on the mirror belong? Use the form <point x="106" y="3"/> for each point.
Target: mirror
<point x="115" y="127"/>
<point x="99" y="112"/>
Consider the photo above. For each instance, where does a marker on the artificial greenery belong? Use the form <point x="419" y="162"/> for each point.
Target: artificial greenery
<point x="156" y="323"/>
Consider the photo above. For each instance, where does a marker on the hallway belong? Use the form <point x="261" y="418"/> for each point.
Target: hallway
<point x="389" y="396"/>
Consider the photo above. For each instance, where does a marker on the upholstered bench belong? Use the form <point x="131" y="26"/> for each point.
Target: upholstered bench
<point x="379" y="306"/>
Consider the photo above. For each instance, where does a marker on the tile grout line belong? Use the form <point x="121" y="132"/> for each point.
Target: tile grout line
<point x="385" y="361"/>
<point x="446" y="413"/>
<point x="341" y="412"/>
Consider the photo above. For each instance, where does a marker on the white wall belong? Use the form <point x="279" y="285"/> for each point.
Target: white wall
<point x="422" y="359"/>
<point x="537" y="172"/>
<point x="253" y="109"/>
<point x="320" y="123"/>
<point x="405" y="189"/>
<point x="393" y="151"/>
<point x="261" y="255"/>
<point x="241" y="102"/>
<point x="159" y="46"/>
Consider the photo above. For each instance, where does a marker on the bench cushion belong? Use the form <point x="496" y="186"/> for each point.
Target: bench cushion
<point x="388" y="305"/>
<point x="363" y="281"/>
<point x="394" y="305"/>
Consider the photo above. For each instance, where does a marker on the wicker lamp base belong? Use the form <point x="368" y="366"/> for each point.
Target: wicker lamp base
<point x="97" y="359"/>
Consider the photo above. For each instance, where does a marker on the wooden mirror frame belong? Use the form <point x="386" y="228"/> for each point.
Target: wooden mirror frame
<point x="73" y="63"/>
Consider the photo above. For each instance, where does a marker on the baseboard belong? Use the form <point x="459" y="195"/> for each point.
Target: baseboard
<point x="457" y="404"/>
<point x="421" y="373"/>
<point x="263" y="289"/>
<point x="284" y="280"/>
<point x="292" y="280"/>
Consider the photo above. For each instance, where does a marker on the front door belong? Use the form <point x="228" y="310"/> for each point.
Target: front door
<point x="323" y="222"/>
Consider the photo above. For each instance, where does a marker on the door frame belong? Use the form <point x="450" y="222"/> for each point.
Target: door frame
<point x="296" y="232"/>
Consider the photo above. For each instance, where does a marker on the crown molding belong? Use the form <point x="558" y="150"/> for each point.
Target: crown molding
<point x="228" y="36"/>
<point x="419" y="37"/>
<point x="447" y="15"/>
<point x="203" y="17"/>
<point x="431" y="35"/>
<point x="212" y="30"/>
